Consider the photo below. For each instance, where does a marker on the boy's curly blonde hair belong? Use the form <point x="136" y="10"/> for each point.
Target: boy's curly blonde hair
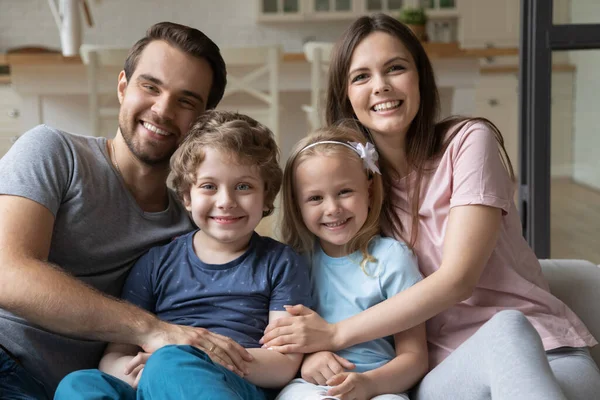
<point x="247" y="141"/>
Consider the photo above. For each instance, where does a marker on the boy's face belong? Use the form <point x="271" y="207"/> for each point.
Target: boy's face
<point x="227" y="201"/>
<point x="166" y="93"/>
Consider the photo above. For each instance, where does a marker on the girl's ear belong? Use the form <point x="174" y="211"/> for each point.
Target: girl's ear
<point x="370" y="189"/>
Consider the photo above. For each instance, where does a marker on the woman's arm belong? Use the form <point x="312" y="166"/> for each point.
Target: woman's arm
<point x="471" y="235"/>
<point x="398" y="375"/>
<point x="271" y="369"/>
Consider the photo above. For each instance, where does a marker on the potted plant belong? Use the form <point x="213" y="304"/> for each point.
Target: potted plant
<point x="416" y="20"/>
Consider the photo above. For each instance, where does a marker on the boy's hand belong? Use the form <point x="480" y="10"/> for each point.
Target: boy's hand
<point x="350" y="385"/>
<point x="318" y="367"/>
<point x="135" y="366"/>
<point x="220" y="349"/>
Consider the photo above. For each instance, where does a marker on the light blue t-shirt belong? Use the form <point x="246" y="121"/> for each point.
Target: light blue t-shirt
<point x="341" y="289"/>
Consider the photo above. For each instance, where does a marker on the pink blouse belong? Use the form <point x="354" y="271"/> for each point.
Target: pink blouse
<point x="471" y="172"/>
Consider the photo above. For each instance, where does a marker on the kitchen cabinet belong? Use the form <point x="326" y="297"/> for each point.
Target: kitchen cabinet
<point x="319" y="10"/>
<point x="496" y="23"/>
<point x="496" y="98"/>
<point x="10" y="113"/>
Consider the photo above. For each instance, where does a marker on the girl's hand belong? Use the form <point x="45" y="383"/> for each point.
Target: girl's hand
<point x="350" y="385"/>
<point x="317" y="368"/>
<point x="305" y="332"/>
<point x="135" y="366"/>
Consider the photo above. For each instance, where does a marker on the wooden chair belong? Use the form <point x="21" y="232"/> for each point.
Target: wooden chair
<point x="318" y="54"/>
<point x="253" y="89"/>
<point x="254" y="73"/>
<point x="98" y="59"/>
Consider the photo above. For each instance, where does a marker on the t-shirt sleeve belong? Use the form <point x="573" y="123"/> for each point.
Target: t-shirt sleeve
<point x="39" y="166"/>
<point x="290" y="281"/>
<point x="399" y="269"/>
<point x="139" y="287"/>
<point x="479" y="175"/>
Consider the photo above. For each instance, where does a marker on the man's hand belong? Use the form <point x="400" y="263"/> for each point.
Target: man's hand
<point x="319" y="367"/>
<point x="220" y="349"/>
<point x="350" y="385"/>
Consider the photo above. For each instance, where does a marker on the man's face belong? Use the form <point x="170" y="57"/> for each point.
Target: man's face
<point x="166" y="93"/>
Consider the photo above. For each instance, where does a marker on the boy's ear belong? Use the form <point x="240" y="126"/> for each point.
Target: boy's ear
<point x="187" y="203"/>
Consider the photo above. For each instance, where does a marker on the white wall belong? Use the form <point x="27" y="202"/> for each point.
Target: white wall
<point x="122" y="22"/>
<point x="587" y="96"/>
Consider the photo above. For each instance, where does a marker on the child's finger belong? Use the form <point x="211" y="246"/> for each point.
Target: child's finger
<point x="337" y="379"/>
<point x="343" y="362"/>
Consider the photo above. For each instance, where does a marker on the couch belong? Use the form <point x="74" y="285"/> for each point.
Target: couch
<point x="577" y="284"/>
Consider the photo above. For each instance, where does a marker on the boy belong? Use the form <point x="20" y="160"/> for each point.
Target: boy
<point x="223" y="277"/>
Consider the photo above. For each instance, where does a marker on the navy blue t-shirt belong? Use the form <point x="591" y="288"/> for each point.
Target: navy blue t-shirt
<point x="232" y="299"/>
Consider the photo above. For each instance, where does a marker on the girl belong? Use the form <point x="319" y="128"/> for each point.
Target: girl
<point x="449" y="194"/>
<point x="332" y="194"/>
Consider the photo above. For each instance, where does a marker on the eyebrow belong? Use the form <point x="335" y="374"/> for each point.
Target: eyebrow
<point x="158" y="82"/>
<point x="391" y="60"/>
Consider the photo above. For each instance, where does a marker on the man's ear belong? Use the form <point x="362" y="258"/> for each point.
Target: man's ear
<point x="121" y="86"/>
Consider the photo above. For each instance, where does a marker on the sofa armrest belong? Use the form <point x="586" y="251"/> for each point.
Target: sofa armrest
<point x="577" y="284"/>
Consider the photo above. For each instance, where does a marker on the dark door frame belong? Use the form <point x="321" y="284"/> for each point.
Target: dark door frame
<point x="539" y="37"/>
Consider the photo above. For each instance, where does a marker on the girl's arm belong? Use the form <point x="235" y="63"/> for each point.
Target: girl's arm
<point x="470" y="238"/>
<point x="271" y="369"/>
<point x="115" y="359"/>
<point x="398" y="375"/>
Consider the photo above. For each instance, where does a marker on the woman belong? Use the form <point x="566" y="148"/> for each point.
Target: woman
<point x="449" y="194"/>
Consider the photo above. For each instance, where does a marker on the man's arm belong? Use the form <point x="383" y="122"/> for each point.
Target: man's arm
<point x="47" y="296"/>
<point x="271" y="369"/>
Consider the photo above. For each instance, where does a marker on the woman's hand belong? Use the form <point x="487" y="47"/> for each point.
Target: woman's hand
<point x="319" y="367"/>
<point x="305" y="332"/>
<point x="350" y="385"/>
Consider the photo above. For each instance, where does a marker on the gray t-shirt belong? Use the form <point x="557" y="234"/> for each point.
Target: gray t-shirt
<point x="99" y="232"/>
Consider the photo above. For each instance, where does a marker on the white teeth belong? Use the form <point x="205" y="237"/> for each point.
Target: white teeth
<point x="155" y="129"/>
<point x="388" y="105"/>
<point x="334" y="224"/>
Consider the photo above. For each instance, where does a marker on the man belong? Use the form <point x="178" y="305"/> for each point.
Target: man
<point x="76" y="212"/>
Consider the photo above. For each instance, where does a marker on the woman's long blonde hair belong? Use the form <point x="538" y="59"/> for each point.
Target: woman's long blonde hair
<point x="293" y="229"/>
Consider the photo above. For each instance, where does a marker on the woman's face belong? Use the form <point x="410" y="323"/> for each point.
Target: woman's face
<point x="383" y="86"/>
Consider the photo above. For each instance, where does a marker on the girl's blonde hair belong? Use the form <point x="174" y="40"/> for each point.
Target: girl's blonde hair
<point x="293" y="230"/>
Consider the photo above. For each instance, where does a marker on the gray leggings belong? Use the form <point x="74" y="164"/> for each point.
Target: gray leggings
<point x="505" y="360"/>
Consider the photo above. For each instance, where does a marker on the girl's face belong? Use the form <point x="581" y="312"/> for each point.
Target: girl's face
<point x="383" y="86"/>
<point x="333" y="196"/>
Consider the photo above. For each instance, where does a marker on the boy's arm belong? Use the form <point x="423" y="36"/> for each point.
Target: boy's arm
<point x="116" y="357"/>
<point x="271" y="369"/>
<point x="400" y="374"/>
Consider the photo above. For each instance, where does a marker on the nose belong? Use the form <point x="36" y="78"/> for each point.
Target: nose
<point x="381" y="85"/>
<point x="332" y="207"/>
<point x="163" y="107"/>
<point x="225" y="200"/>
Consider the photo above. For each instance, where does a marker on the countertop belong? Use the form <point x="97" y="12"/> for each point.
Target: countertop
<point x="434" y="50"/>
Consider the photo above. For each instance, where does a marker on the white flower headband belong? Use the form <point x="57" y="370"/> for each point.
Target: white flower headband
<point x="366" y="152"/>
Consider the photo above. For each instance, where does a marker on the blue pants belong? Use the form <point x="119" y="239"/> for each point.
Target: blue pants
<point x="16" y="383"/>
<point x="172" y="372"/>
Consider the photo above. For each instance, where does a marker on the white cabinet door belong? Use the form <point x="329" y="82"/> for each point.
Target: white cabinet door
<point x="281" y="10"/>
<point x="10" y="123"/>
<point x="489" y="23"/>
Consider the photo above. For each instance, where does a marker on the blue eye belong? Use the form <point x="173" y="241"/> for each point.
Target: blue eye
<point x="243" y="186"/>
<point x="314" y="198"/>
<point x="208" y="186"/>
